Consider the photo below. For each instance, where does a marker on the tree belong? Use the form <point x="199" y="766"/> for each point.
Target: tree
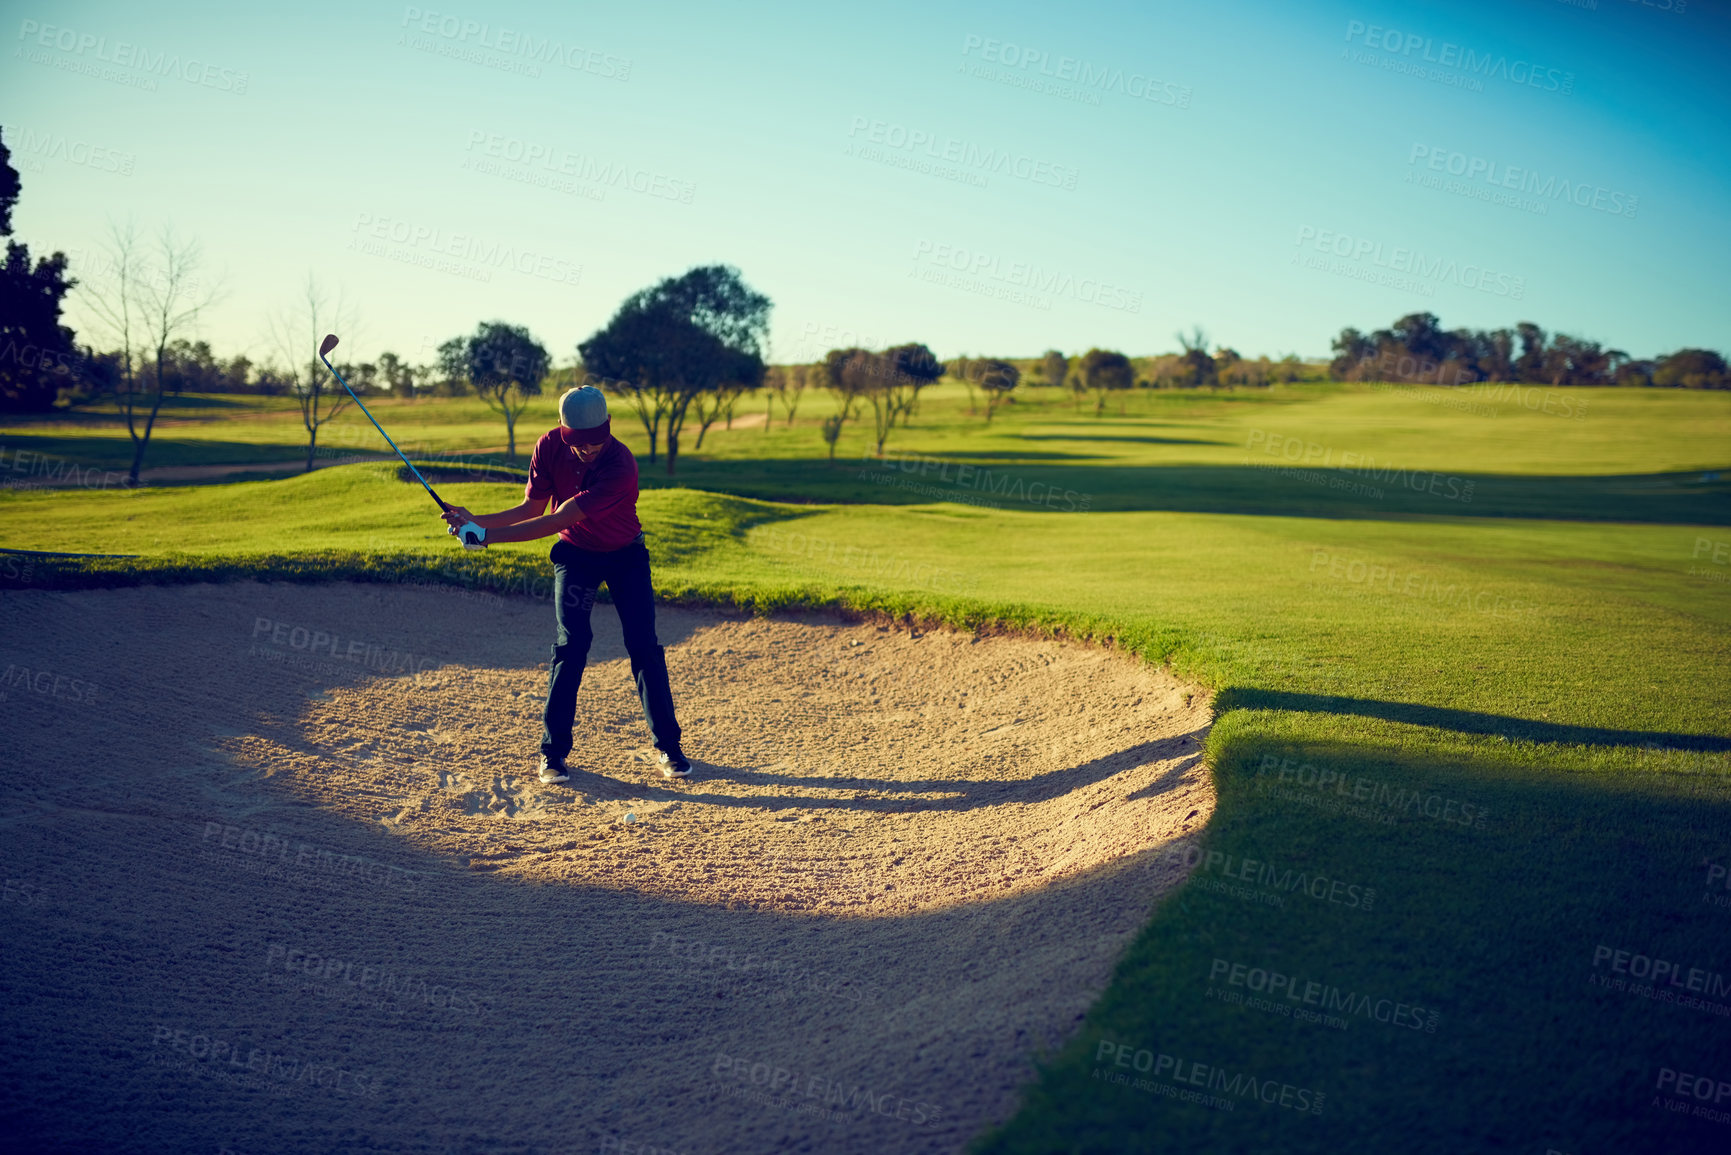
<point x="1198" y="366"/>
<point x="967" y="371"/>
<point x="1416" y="348"/>
<point x="887" y="391"/>
<point x="774" y="385"/>
<point x="832" y="433"/>
<point x="506" y="367"/>
<point x="151" y="297"/>
<point x="295" y="333"/>
<point x="854" y="376"/>
<point x="717" y="404"/>
<point x="679" y="339"/>
<point x="1635" y="374"/>
<point x="1054" y="367"/>
<point x="799" y="377"/>
<point x="915" y="367"/>
<point x="37" y="354"/>
<point x="1106" y="371"/>
<point x="398" y="375"/>
<point x="998" y="379"/>
<point x="784" y="383"/>
<point x="889" y="381"/>
<point x="190" y="367"/>
<point x="1692" y="369"/>
<point x="1530" y="365"/>
<point x="845" y="375"/>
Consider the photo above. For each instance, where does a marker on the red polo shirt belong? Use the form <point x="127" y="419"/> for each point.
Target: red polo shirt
<point x="605" y="489"/>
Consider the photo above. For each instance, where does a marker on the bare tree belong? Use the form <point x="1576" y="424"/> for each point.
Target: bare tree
<point x="151" y="296"/>
<point x="295" y="333"/>
<point x="998" y="379"/>
<point x="798" y="377"/>
<point x="717" y="405"/>
<point x="774" y="385"/>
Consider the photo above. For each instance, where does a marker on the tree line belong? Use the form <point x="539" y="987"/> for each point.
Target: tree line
<point x="1418" y="350"/>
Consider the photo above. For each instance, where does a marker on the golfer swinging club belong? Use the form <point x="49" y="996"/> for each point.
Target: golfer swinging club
<point x="591" y="477"/>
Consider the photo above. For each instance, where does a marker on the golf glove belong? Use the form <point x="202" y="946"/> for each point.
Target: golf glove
<point x="473" y="536"/>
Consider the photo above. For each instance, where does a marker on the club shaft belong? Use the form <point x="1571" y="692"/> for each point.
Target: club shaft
<point x="383" y="434"/>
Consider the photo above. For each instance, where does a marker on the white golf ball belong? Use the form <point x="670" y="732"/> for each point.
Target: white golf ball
<point x="631" y="818"/>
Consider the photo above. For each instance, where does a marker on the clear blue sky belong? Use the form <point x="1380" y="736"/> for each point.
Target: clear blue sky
<point x="1279" y="135"/>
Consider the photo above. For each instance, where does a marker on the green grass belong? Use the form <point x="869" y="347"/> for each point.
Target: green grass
<point x="1558" y="658"/>
<point x="1622" y="455"/>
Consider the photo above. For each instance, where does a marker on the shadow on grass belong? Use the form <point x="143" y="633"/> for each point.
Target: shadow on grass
<point x="1253" y="490"/>
<point x="1461" y="721"/>
<point x="1125" y="440"/>
<point x="1427" y="951"/>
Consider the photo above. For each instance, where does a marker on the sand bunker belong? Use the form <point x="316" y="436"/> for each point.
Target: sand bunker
<point x="288" y="876"/>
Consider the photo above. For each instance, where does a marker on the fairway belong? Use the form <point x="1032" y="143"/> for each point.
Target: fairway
<point x="1470" y="757"/>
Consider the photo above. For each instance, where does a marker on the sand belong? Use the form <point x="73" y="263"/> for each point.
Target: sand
<point x="279" y="875"/>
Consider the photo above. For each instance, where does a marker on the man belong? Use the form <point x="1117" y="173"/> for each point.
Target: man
<point x="591" y="477"/>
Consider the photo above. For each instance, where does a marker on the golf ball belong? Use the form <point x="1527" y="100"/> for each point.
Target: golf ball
<point x="631" y="818"/>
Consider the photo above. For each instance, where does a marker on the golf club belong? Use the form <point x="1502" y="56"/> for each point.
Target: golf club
<point x="473" y="535"/>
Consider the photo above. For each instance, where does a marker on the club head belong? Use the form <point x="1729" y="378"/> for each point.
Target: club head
<point x="329" y="343"/>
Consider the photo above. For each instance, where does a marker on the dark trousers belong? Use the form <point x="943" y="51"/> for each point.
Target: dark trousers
<point x="577" y="575"/>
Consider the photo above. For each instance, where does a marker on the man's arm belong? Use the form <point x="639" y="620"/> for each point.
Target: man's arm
<point x="522" y="511"/>
<point x="544" y="526"/>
